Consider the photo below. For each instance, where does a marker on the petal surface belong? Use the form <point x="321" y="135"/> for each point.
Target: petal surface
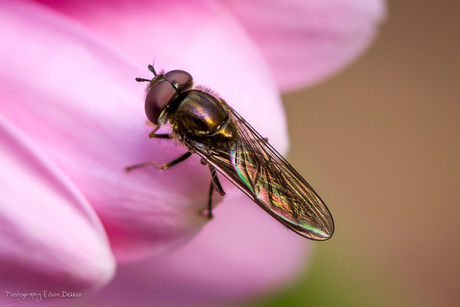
<point x="305" y="41"/>
<point x="75" y="96"/>
<point x="86" y="113"/>
<point x="51" y="239"/>
<point x="241" y="253"/>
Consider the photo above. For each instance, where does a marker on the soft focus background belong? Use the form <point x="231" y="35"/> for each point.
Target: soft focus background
<point x="380" y="142"/>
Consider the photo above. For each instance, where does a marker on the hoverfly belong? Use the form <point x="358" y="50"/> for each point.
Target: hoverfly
<point x="210" y="128"/>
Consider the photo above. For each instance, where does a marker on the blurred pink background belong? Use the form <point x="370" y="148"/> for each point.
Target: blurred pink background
<point x="380" y="142"/>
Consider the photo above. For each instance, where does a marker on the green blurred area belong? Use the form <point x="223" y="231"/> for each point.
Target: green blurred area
<point x="328" y="282"/>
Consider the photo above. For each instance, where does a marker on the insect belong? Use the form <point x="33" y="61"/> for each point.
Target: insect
<point x="210" y="128"/>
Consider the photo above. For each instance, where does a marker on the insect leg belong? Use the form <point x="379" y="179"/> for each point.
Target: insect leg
<point x="158" y="136"/>
<point x="215" y="185"/>
<point x="142" y="80"/>
<point x="182" y="158"/>
<point x="211" y="191"/>
<point x="164" y="166"/>
<point x="215" y="180"/>
<point x="130" y="168"/>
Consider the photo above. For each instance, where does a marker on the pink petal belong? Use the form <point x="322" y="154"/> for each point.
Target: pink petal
<point x="86" y="113"/>
<point x="199" y="36"/>
<point x="79" y="101"/>
<point x="50" y="237"/>
<point x="243" y="252"/>
<point x="305" y="41"/>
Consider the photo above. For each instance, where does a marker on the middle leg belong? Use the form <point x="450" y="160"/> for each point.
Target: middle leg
<point x="215" y="185"/>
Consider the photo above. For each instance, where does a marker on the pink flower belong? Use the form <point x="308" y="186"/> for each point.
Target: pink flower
<point x="71" y="120"/>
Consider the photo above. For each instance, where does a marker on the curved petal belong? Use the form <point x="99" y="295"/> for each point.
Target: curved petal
<point x="201" y="37"/>
<point x="306" y="41"/>
<point x="240" y="253"/>
<point x="77" y="99"/>
<point x="50" y="237"/>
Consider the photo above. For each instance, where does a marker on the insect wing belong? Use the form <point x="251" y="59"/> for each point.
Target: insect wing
<point x="253" y="165"/>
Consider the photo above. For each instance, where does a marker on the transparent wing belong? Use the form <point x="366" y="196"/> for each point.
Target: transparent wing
<point x="253" y="165"/>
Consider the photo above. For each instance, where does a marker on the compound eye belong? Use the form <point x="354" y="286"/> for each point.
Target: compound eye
<point x="157" y="99"/>
<point x="183" y="79"/>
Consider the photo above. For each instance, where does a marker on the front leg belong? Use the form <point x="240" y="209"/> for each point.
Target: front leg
<point x="158" y="136"/>
<point x="182" y="158"/>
